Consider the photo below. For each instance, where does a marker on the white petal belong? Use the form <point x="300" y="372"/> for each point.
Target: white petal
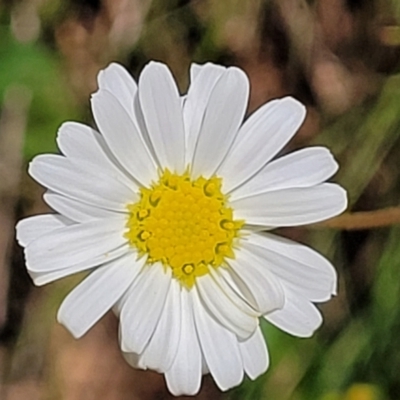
<point x="255" y="355"/>
<point x="93" y="297"/>
<point x="87" y="185"/>
<point x="31" y="228"/>
<point x="195" y="70"/>
<point x="222" y="118"/>
<point x="184" y="376"/>
<point x="292" y="207"/>
<point x="74" y="209"/>
<point x="204" y="366"/>
<point x="203" y="80"/>
<point x="183" y="100"/>
<point x="161" y="107"/>
<point x="163" y="346"/>
<point x="42" y="278"/>
<point x="80" y="141"/>
<point x="226" y="307"/>
<point x="299" y="317"/>
<point x="83" y="145"/>
<point x="219" y="346"/>
<point x="135" y="360"/>
<point x="117" y="80"/>
<point x="265" y="289"/>
<point x="142" y="309"/>
<point x="123" y="137"/>
<point x="303" y="168"/>
<point x="87" y="243"/>
<point x="260" y="138"/>
<point x="141" y="123"/>
<point x="298" y="267"/>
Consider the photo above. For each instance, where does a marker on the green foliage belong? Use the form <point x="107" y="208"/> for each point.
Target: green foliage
<point x="36" y="69"/>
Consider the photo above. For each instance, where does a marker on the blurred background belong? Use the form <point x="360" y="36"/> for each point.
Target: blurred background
<point x="341" y="58"/>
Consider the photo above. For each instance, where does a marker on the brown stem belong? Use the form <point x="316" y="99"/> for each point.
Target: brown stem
<point x="363" y="220"/>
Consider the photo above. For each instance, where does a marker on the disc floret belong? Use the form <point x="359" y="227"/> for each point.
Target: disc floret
<point x="184" y="224"/>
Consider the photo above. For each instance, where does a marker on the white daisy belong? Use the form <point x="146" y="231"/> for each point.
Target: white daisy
<point x="165" y="205"/>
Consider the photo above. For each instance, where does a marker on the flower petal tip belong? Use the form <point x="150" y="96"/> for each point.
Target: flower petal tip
<point x="74" y="331"/>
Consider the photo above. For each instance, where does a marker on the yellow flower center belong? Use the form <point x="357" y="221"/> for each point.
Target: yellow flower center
<point x="186" y="225"/>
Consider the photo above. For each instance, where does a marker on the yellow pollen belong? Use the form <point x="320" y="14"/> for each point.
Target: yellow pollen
<point x="143" y="214"/>
<point x="144" y="235"/>
<point x="184" y="224"/>
<point x="227" y="225"/>
<point x="188" y="269"/>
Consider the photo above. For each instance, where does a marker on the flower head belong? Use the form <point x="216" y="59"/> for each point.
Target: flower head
<point x="165" y="208"/>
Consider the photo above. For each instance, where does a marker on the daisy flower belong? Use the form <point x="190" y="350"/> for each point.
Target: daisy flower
<point x="165" y="205"/>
